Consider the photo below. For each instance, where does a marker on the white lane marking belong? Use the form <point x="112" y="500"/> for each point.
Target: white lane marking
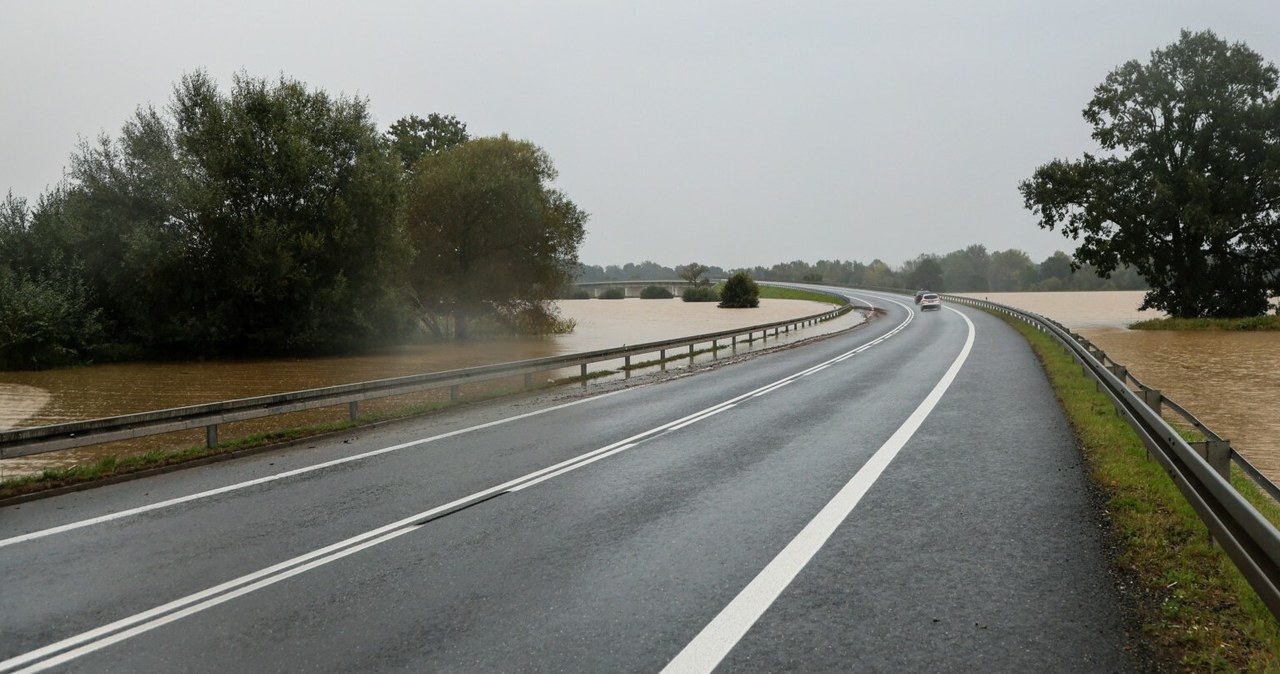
<point x="773" y="388"/>
<point x="286" y="474"/>
<point x="710" y="414"/>
<point x="101" y="637"/>
<point x="575" y="466"/>
<point x="714" y="642"/>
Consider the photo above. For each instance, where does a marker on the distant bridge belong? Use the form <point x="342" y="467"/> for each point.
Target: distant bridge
<point x="633" y="288"/>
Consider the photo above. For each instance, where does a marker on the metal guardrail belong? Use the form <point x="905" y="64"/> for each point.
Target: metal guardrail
<point x="40" y="439"/>
<point x="1248" y="538"/>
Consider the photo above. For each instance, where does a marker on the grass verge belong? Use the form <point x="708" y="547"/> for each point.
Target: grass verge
<point x="777" y="293"/>
<point x="1196" y="608"/>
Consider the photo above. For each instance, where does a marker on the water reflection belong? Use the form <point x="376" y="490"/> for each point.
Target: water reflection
<point x="1230" y="380"/>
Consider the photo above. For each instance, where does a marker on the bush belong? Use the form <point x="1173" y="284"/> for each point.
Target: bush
<point x="740" y="292"/>
<point x="700" y="294"/>
<point x="612" y="294"/>
<point x="575" y="294"/>
<point x="45" y="321"/>
<point x="655" y="293"/>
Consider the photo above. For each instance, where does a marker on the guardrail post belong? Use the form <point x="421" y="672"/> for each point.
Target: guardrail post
<point x="583" y="375"/>
<point x="662" y="358"/>
<point x="715" y="346"/>
<point x="1153" y="399"/>
<point x="1121" y="372"/>
<point x="453" y="392"/>
<point x="1217" y="453"/>
<point x="211" y="436"/>
<point x="690" y="353"/>
<point x="353" y="409"/>
<point x="528" y="380"/>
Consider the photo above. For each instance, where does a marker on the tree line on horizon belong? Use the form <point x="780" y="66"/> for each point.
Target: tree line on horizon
<point x="970" y="269"/>
<point x="275" y="219"/>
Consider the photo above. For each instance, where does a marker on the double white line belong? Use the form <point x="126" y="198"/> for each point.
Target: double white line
<point x="120" y="630"/>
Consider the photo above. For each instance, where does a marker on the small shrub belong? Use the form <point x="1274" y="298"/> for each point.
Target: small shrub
<point x="612" y="294"/>
<point x="740" y="292"/>
<point x="576" y="294"/>
<point x="700" y="294"/>
<point x="655" y="293"/>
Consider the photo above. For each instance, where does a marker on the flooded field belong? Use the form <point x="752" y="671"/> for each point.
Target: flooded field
<point x="1230" y="380"/>
<point x="57" y="396"/>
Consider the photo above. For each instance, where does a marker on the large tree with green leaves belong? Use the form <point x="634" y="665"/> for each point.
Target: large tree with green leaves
<point x="412" y="137"/>
<point x="491" y="236"/>
<point x="256" y="221"/>
<point x="1187" y="189"/>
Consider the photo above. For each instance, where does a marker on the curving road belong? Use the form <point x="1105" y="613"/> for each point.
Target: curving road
<point x="902" y="497"/>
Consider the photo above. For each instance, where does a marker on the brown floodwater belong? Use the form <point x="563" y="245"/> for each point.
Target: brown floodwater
<point x="1229" y="380"/>
<point x="73" y="394"/>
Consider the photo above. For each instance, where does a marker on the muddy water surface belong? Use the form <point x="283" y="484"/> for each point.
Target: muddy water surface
<point x="1229" y="380"/>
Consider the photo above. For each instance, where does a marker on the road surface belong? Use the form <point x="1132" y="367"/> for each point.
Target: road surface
<point x="906" y="496"/>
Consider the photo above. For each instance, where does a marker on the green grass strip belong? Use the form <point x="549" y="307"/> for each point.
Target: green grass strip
<point x="1250" y="324"/>
<point x="1197" y="611"/>
<point x="778" y="293"/>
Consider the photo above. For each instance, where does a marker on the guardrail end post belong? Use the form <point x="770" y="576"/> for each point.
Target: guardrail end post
<point x="211" y="436"/>
<point x="353" y="409"/>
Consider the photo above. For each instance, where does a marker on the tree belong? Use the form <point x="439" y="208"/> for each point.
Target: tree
<point x="693" y="274"/>
<point x="412" y="137"/>
<point x="927" y="273"/>
<point x="966" y="270"/>
<point x="257" y="221"/>
<point x="491" y="236"/>
<point x="1188" y="190"/>
<point x="740" y="292"/>
<point x="289" y="206"/>
<point x="1010" y="270"/>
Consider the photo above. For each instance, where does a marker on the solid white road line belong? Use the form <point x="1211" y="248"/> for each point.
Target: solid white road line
<point x="715" y="640"/>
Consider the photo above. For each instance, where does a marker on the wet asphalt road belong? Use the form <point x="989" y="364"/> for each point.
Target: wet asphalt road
<point x="972" y="547"/>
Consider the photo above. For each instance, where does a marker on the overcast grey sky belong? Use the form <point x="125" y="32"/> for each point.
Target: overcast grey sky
<point x="734" y="133"/>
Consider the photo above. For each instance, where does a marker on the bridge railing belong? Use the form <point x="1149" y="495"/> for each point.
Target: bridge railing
<point x="40" y="439"/>
<point x="1200" y="470"/>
